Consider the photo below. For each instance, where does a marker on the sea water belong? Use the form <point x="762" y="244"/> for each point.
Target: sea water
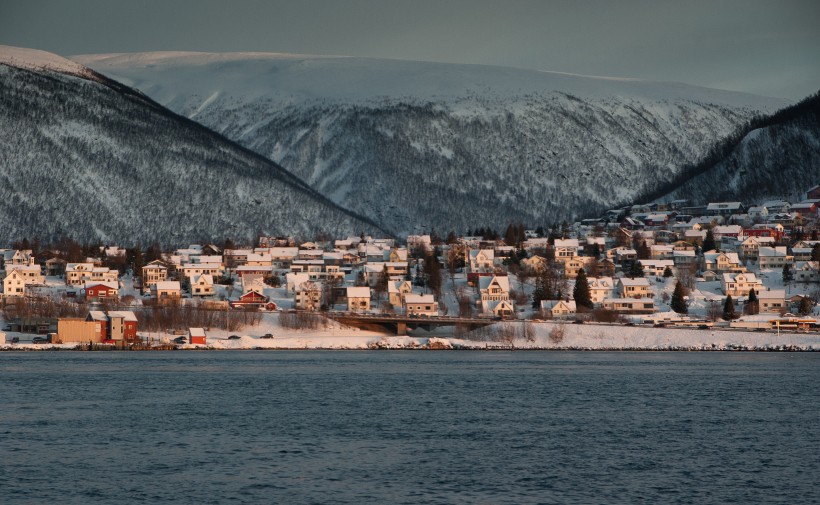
<point x="409" y="427"/>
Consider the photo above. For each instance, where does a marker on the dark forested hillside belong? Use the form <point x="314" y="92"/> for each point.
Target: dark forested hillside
<point x="773" y="157"/>
<point x="93" y="160"/>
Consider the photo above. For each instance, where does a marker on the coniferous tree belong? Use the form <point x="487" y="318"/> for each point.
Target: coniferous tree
<point x="729" y="309"/>
<point x="806" y="306"/>
<point x="678" y="303"/>
<point x="667" y="272"/>
<point x="581" y="291"/>
<point x="788" y="275"/>
<point x="138" y="261"/>
<point x="752" y="305"/>
<point x="643" y="251"/>
<point x="538" y="292"/>
<point x="709" y="243"/>
<point x="432" y="273"/>
<point x="636" y="269"/>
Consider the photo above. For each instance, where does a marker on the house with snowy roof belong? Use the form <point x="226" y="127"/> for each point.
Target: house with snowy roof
<point x="566" y="249"/>
<point x="558" y="309"/>
<point x="16" y="281"/>
<point x="725" y="208"/>
<point x="101" y="290"/>
<point x="806" y="209"/>
<point x="308" y="295"/>
<point x="202" y="285"/>
<point x="600" y="288"/>
<point x="739" y="284"/>
<point x="253" y="283"/>
<point x="772" y="301"/>
<point x="722" y="262"/>
<point x="420" y="305"/>
<point x="656" y="268"/>
<point x="750" y="247"/>
<point x="481" y="260"/>
<point x="166" y="291"/>
<point x="633" y="288"/>
<point x="774" y="257"/>
<point x="807" y="271"/>
<point x="358" y="299"/>
<point x="777" y="206"/>
<point x="397" y="290"/>
<point x="115" y="325"/>
<point x="573" y="265"/>
<point x="630" y="305"/>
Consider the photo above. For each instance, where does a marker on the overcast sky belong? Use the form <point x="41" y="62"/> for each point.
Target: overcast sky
<point x="765" y="47"/>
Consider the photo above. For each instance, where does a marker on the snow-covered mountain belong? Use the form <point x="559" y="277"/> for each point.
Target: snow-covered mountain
<point x="777" y="157"/>
<point x="417" y="145"/>
<point x="86" y="157"/>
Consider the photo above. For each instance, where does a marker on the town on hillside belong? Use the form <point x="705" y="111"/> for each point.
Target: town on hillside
<point x="723" y="264"/>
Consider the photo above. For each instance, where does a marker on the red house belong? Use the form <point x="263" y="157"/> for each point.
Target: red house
<point x="252" y="299"/>
<point x="813" y="193"/>
<point x="101" y="290"/>
<point x="777" y="235"/>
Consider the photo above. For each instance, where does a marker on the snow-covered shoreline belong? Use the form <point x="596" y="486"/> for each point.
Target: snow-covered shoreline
<point x="543" y="336"/>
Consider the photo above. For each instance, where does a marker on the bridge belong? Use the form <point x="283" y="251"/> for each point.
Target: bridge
<point x="399" y="324"/>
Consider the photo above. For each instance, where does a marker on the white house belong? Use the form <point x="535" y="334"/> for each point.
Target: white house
<point x="600" y="288"/>
<point x="202" y="285"/>
<point x="481" y="260"/>
<point x="807" y="271"/>
<point x="634" y="288"/>
<point x="422" y="305"/>
<point x="358" y="299"/>
<point x="739" y="284"/>
<point x="774" y="257"/>
<point x="397" y="290"/>
<point x="558" y="309"/>
<point x="772" y="300"/>
<point x="630" y="305"/>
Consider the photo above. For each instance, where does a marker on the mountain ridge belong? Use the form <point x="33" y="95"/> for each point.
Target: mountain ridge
<point x="474" y="146"/>
<point x="146" y="173"/>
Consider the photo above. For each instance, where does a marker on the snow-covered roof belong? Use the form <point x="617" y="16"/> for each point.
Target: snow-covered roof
<point x="107" y="284"/>
<point x="413" y="298"/>
<point x="358" y="292"/>
<point x="485" y="282"/>
<point x="637" y="281"/>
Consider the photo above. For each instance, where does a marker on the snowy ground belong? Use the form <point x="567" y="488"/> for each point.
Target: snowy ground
<point x="545" y="335"/>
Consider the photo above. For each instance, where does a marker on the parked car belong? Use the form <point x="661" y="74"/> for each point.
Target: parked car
<point x="181" y="340"/>
<point x="267" y="335"/>
<point x="39" y="340"/>
<point x="233" y="337"/>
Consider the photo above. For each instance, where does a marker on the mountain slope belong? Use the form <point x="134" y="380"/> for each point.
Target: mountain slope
<point x="417" y="145"/>
<point x="777" y="157"/>
<point x="85" y="157"/>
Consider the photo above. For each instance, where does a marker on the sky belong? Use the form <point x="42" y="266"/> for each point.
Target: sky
<point x="769" y="47"/>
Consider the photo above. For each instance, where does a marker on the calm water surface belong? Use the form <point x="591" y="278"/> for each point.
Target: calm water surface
<point x="409" y="427"/>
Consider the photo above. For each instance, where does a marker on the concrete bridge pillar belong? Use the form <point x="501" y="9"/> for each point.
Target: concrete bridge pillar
<point x="401" y="328"/>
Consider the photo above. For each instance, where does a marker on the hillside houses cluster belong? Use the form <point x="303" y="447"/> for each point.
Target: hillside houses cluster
<point x="621" y="258"/>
